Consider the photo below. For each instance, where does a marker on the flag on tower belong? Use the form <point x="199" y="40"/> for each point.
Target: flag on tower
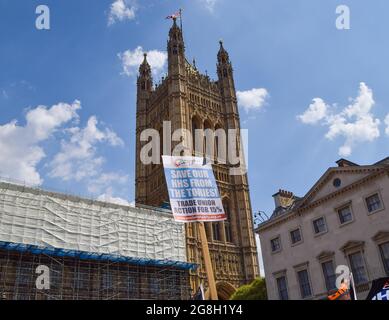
<point x="174" y="15"/>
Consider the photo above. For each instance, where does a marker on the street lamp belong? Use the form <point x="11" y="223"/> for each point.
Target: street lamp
<point x="258" y="216"/>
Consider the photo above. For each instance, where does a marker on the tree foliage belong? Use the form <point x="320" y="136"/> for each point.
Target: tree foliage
<point x="256" y="290"/>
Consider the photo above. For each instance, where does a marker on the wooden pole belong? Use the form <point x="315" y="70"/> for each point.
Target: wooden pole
<point x="208" y="263"/>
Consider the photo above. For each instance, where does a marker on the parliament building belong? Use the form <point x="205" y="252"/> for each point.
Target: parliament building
<point x="191" y="100"/>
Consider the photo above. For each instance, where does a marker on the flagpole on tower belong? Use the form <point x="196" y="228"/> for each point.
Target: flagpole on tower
<point x="181" y="21"/>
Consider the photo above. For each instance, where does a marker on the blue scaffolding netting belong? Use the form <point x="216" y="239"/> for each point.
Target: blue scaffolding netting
<point x="83" y="255"/>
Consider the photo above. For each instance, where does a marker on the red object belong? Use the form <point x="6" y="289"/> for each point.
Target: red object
<point x="174" y="15"/>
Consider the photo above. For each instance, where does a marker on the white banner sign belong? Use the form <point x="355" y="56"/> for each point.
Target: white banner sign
<point x="193" y="192"/>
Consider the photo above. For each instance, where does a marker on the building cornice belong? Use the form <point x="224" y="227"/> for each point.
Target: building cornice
<point x="301" y="208"/>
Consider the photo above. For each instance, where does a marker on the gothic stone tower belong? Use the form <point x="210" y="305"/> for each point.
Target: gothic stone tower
<point x="192" y="101"/>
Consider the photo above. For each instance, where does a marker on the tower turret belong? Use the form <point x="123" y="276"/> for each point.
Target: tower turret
<point x="144" y="90"/>
<point x="145" y="79"/>
<point x="226" y="80"/>
<point x="176" y="50"/>
<point x="239" y="181"/>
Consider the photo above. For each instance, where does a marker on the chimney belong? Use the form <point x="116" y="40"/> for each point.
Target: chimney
<point x="345" y="163"/>
<point x="283" y="198"/>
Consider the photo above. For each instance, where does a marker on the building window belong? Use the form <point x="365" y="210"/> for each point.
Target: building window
<point x="358" y="268"/>
<point x="329" y="275"/>
<point x="227" y="228"/>
<point x="373" y="203"/>
<point x="384" y="249"/>
<point x="337" y="182"/>
<point x="345" y="214"/>
<point x="227" y="223"/>
<point x="319" y="225"/>
<point x="275" y="244"/>
<point x="216" y="231"/>
<point x="282" y="288"/>
<point x="305" y="286"/>
<point x="295" y="236"/>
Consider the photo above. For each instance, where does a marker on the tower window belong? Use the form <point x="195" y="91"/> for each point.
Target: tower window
<point x="216" y="231"/>
<point x="227" y="223"/>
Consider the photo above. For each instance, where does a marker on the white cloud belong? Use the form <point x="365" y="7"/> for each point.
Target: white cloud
<point x="131" y="60"/>
<point x="355" y="123"/>
<point x="20" y="145"/>
<point x="387" y="124"/>
<point x="316" y="111"/>
<point x="78" y="160"/>
<point x="106" y="180"/>
<point x="209" y="4"/>
<point x="107" y="197"/>
<point x="253" y="99"/>
<point x="121" y="10"/>
<point x="21" y="149"/>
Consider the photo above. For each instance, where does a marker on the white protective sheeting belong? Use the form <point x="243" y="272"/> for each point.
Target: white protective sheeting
<point x="36" y="217"/>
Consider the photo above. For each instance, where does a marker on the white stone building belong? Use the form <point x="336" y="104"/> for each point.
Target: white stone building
<point x="342" y="220"/>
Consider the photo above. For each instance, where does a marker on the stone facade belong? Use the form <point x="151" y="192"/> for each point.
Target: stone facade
<point x="342" y="220"/>
<point x="191" y="100"/>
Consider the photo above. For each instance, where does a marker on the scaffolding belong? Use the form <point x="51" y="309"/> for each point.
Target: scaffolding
<point x="93" y="249"/>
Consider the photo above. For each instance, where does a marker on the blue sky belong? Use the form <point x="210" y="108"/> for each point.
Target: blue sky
<point x="292" y="49"/>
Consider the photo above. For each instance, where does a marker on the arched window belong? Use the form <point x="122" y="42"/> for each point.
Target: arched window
<point x="227" y="223"/>
<point x="209" y="143"/>
<point x="195" y="126"/>
<point x="216" y="231"/>
<point x="220" y="144"/>
<point x="208" y="232"/>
